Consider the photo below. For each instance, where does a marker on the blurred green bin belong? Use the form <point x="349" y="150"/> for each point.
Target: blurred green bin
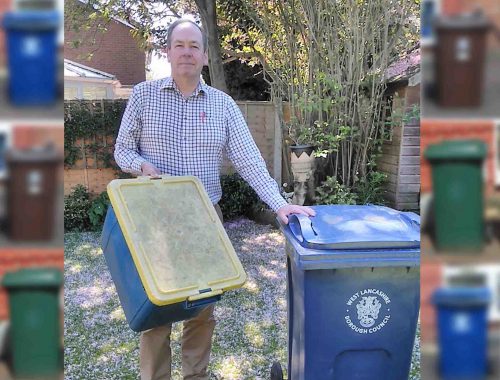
<point x="34" y="319"/>
<point x="458" y="193"/>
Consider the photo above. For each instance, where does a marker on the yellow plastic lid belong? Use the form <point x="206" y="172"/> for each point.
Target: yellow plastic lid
<point x="177" y="241"/>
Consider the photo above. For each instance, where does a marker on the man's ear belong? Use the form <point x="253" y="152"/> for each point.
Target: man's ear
<point x="167" y="52"/>
<point x="205" y="58"/>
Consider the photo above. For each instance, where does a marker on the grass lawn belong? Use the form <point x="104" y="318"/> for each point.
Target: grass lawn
<point x="251" y="329"/>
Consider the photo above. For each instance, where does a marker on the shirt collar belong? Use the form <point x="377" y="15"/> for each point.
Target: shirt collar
<point x="168" y="83"/>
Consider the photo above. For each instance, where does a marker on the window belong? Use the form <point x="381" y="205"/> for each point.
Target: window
<point x="94" y="92"/>
<point x="70" y="93"/>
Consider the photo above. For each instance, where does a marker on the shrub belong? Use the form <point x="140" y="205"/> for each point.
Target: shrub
<point x="76" y="206"/>
<point x="370" y="189"/>
<point x="97" y="211"/>
<point x="331" y="192"/>
<point x="238" y="197"/>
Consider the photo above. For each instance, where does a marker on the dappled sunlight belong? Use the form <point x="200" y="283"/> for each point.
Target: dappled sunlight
<point x="251" y="286"/>
<point x="74" y="269"/>
<point x="231" y="368"/>
<point x="268" y="273"/>
<point x="254" y="334"/>
<point x="117" y="314"/>
<point x="92" y="296"/>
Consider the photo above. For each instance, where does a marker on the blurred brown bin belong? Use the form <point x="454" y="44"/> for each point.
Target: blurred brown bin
<point x="31" y="189"/>
<point x="460" y="59"/>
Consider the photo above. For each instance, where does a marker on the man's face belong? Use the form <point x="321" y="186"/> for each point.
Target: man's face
<point x="185" y="53"/>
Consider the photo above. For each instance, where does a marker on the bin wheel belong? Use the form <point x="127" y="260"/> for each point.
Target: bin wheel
<point x="276" y="371"/>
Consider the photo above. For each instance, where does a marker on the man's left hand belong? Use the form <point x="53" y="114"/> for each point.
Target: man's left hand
<point x="284" y="211"/>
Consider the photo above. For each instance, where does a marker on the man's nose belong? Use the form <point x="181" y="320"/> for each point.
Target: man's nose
<point x="187" y="51"/>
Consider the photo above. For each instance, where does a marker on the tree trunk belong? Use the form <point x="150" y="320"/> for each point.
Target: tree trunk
<point x="209" y="19"/>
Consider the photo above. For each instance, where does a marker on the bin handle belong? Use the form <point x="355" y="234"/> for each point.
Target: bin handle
<point x="411" y="217"/>
<point x="301" y="227"/>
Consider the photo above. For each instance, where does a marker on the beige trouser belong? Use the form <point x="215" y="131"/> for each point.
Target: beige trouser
<point x="156" y="355"/>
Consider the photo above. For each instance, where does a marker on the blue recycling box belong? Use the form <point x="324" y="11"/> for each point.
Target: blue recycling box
<point x="353" y="292"/>
<point x="462" y="331"/>
<point x="166" y="249"/>
<point x="31" y="38"/>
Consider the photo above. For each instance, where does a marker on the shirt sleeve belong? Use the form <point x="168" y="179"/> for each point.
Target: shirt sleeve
<point x="246" y="158"/>
<point x="126" y="153"/>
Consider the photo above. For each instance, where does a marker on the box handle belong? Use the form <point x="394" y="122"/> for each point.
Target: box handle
<point x="203" y="298"/>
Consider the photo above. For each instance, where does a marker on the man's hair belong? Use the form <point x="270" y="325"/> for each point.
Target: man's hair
<point x="172" y="26"/>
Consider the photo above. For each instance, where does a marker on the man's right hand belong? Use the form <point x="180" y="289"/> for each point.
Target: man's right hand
<point x="149" y="169"/>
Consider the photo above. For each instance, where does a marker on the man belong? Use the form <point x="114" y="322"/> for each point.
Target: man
<point x="180" y="126"/>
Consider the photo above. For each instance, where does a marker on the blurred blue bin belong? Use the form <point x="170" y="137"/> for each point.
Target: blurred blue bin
<point x="353" y="293"/>
<point x="32" y="56"/>
<point x="462" y="332"/>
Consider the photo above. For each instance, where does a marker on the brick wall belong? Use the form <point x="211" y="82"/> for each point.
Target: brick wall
<point x="434" y="131"/>
<point x="4" y="6"/>
<point x="115" y="51"/>
<point x="431" y="278"/>
<point x="25" y="136"/>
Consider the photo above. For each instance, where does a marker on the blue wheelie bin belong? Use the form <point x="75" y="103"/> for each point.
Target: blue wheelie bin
<point x="462" y="332"/>
<point x="32" y="56"/>
<point x="353" y="293"/>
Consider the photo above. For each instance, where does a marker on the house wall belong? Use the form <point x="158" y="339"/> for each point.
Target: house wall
<point x="115" y="51"/>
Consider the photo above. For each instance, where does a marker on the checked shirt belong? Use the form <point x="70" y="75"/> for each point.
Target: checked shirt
<point x="188" y="136"/>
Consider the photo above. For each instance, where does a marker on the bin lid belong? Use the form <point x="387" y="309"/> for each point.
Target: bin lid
<point x="31" y="20"/>
<point x="34" y="155"/>
<point x="462" y="296"/>
<point x="177" y="242"/>
<point x="33" y="277"/>
<point x="358" y="227"/>
<point x="457" y="149"/>
<point x="463" y="22"/>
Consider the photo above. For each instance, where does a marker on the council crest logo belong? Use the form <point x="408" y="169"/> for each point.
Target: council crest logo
<point x="368" y="311"/>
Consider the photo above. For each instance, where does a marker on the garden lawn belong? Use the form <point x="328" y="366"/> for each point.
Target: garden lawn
<point x="251" y="329"/>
